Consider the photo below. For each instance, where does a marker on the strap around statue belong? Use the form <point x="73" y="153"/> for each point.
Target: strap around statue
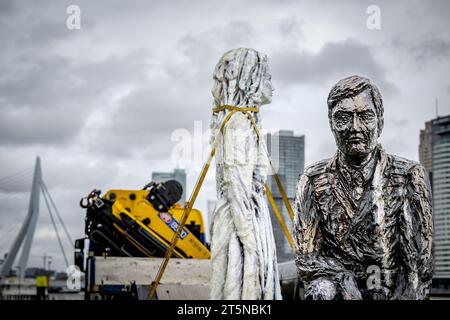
<point x="234" y="108"/>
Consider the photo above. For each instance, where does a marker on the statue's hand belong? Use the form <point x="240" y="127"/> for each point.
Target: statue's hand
<point x="321" y="289"/>
<point x="349" y="288"/>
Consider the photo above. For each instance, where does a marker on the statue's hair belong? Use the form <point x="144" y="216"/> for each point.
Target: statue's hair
<point x="238" y="78"/>
<point x="351" y="86"/>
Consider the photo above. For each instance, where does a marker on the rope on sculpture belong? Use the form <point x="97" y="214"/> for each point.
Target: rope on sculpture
<point x="199" y="183"/>
<point x="274" y="172"/>
<point x="279" y="216"/>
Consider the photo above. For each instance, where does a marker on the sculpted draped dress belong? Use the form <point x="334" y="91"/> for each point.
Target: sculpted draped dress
<point x="243" y="248"/>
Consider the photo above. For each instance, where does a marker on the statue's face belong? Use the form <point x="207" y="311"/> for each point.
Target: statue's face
<point x="355" y="125"/>
<point x="267" y="88"/>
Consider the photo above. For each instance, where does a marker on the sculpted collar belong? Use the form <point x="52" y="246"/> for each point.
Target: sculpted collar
<point x="357" y="175"/>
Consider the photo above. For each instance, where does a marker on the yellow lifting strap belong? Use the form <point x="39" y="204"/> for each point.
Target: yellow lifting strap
<point x="233" y="108"/>
<point x="198" y="184"/>
<point x="279" y="216"/>
<point x="274" y="172"/>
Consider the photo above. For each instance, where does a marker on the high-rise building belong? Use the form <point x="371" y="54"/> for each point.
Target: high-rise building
<point x="435" y="141"/>
<point x="178" y="175"/>
<point x="425" y="148"/>
<point x="287" y="152"/>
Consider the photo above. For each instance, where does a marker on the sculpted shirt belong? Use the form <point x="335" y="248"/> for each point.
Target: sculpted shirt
<point x="368" y="232"/>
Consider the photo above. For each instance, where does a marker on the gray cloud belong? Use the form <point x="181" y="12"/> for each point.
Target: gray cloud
<point x="334" y="61"/>
<point x="180" y="95"/>
<point x="291" y="27"/>
<point x="431" y="48"/>
<point x="203" y="50"/>
<point x="7" y="7"/>
<point x="425" y="48"/>
<point x="145" y="120"/>
<point x="50" y="102"/>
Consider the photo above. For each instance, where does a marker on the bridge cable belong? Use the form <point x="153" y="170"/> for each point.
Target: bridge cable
<point x="54" y="225"/>
<point x="69" y="238"/>
<point x="19" y="173"/>
<point x="15" y="181"/>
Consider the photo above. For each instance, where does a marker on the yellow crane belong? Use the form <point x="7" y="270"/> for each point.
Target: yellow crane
<point x="141" y="223"/>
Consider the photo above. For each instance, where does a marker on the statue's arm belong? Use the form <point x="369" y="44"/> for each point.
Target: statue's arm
<point x="324" y="275"/>
<point x="417" y="226"/>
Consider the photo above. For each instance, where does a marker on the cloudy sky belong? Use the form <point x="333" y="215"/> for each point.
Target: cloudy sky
<point x="104" y="106"/>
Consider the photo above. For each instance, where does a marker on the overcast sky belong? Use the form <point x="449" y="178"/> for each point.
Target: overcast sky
<point x="100" y="105"/>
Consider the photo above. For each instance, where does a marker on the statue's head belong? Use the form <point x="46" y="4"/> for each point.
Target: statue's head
<point x="242" y="78"/>
<point x="355" y="112"/>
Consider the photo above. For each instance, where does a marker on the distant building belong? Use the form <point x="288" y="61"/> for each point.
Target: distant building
<point x="434" y="153"/>
<point x="14" y="288"/>
<point x="425" y="148"/>
<point x="34" y="272"/>
<point x="178" y="175"/>
<point x="287" y="152"/>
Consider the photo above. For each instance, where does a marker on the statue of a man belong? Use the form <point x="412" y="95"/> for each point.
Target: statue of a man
<point x="363" y="219"/>
<point x="243" y="254"/>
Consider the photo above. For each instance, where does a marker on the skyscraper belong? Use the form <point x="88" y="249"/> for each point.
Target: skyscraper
<point x="425" y="148"/>
<point x="287" y="152"/>
<point x="178" y="175"/>
<point x="435" y="146"/>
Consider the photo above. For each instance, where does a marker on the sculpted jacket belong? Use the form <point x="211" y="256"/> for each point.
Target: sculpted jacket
<point x="372" y="244"/>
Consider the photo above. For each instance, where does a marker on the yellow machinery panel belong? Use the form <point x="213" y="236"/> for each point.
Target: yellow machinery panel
<point x="161" y="225"/>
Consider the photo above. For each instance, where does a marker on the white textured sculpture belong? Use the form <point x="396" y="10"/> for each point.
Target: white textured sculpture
<point x="244" y="264"/>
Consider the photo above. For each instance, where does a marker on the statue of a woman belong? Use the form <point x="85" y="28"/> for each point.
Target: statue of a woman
<point x="244" y="264"/>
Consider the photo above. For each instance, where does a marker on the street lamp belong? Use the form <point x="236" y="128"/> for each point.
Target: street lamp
<point x="49" y="262"/>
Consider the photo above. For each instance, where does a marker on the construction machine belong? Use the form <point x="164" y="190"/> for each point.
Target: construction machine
<point x="136" y="224"/>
